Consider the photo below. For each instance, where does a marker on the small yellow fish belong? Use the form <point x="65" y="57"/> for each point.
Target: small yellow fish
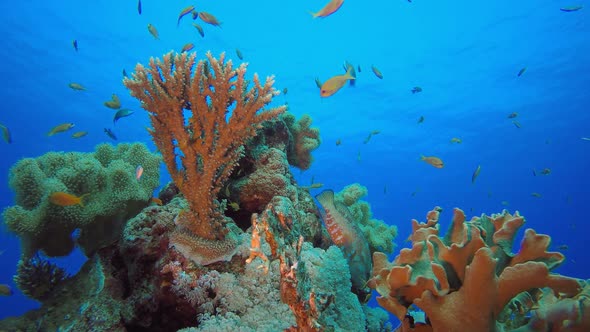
<point x="516" y="123"/>
<point x="239" y="54"/>
<point x="563" y="247"/>
<point x="375" y="132"/>
<point x="156" y="201"/>
<point x="313" y="186"/>
<point x="329" y="9"/>
<point x="285" y="91"/>
<point x="200" y="29"/>
<point x="536" y="195"/>
<point x="76" y="86"/>
<point x="338" y="142"/>
<point x="434" y="161"/>
<point x="61" y="128"/>
<point x="64" y="199"/>
<point x="184" y="12"/>
<point x="332" y="85"/>
<point x="521" y="71"/>
<point x="79" y="134"/>
<point x="114" y="103"/>
<point x="187" y="47"/>
<point x="512" y="115"/>
<point x="209" y="18"/>
<point x="235" y="206"/>
<point x="475" y="173"/>
<point x="421" y="119"/>
<point x="367" y="139"/>
<point x="377" y="72"/>
<point x="546" y="171"/>
<point x="153" y="31"/>
<point x="456" y="140"/>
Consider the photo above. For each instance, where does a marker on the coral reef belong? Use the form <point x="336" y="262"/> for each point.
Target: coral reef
<point x="464" y="280"/>
<point x="188" y="105"/>
<point x="106" y="176"/>
<point x="234" y="244"/>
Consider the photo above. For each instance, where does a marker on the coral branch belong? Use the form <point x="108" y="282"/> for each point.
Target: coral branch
<point x="201" y="114"/>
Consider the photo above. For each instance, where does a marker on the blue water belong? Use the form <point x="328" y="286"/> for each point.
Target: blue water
<point x="464" y="54"/>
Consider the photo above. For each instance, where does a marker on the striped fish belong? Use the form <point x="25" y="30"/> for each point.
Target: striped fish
<point x="346" y="234"/>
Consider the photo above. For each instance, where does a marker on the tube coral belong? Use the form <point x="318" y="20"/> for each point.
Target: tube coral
<point x="202" y="113"/>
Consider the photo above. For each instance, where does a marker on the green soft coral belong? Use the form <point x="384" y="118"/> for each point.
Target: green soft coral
<point x="107" y="176"/>
<point x="377" y="232"/>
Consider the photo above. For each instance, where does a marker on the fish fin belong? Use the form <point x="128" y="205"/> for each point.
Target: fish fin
<point x="82" y="199"/>
<point x="313" y="15"/>
<point x="344" y="211"/>
<point x="326" y="198"/>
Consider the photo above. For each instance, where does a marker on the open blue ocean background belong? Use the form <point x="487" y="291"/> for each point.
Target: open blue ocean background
<point x="465" y="55"/>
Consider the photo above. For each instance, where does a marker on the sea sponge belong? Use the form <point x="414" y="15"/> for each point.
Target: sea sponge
<point x="107" y="176"/>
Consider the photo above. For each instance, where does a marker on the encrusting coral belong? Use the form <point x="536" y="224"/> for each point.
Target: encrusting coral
<point x="106" y="177"/>
<point x="464" y="280"/>
<point x="202" y="114"/>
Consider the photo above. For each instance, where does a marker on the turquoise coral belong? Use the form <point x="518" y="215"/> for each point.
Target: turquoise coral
<point x="107" y="175"/>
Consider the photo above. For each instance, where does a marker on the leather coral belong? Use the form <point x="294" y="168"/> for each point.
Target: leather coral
<point x="464" y="280"/>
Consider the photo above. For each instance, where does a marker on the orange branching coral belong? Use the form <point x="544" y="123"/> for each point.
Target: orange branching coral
<point x="201" y="114"/>
<point x="464" y="280"/>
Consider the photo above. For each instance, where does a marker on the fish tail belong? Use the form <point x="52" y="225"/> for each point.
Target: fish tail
<point x="313" y="15"/>
<point x="82" y="199"/>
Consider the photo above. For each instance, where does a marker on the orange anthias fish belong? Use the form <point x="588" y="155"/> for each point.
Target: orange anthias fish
<point x="329" y="9"/>
<point x="185" y="12"/>
<point x="64" y="199"/>
<point x="208" y="18"/>
<point x="332" y="85"/>
<point x="434" y="161"/>
<point x="138" y="172"/>
<point x="348" y="236"/>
